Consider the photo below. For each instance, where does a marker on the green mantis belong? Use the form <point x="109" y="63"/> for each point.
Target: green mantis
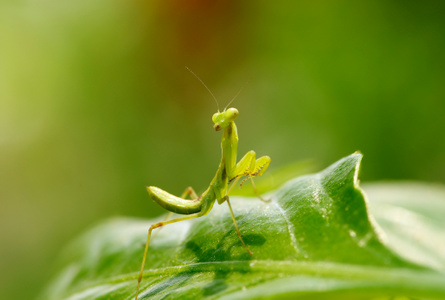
<point x="227" y="175"/>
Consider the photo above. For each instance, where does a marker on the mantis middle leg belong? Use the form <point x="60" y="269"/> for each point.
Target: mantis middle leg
<point x="236" y="226"/>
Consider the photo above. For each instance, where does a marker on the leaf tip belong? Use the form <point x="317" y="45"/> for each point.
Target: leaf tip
<point x="359" y="156"/>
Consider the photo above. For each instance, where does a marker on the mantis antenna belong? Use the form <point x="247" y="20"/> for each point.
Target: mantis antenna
<point x="217" y="105"/>
<point x="237" y="94"/>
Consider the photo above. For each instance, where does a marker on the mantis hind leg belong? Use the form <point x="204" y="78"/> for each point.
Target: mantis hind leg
<point x="189" y="192"/>
<point x="157" y="225"/>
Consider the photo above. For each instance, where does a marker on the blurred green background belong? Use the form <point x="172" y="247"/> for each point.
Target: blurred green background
<point x="95" y="103"/>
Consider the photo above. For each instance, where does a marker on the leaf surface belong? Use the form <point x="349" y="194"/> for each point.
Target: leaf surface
<point x="314" y="239"/>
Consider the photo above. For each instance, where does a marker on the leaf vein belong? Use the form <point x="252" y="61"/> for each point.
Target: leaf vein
<point x="290" y="227"/>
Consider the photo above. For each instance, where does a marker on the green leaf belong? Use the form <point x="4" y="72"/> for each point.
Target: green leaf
<point x="412" y="215"/>
<point x="315" y="239"/>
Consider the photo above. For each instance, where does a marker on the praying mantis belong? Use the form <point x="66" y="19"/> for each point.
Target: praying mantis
<point x="227" y="175"/>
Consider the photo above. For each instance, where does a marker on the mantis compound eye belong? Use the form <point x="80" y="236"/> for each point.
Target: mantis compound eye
<point x="215" y="117"/>
<point x="232" y="113"/>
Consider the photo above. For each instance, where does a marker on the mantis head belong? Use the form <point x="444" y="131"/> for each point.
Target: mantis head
<point x="223" y="119"/>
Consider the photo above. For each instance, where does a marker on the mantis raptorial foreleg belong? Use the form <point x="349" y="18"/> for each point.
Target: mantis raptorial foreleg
<point x="244" y="166"/>
<point x="261" y="165"/>
<point x="251" y="167"/>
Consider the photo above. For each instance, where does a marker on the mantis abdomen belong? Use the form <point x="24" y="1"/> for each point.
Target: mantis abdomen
<point x="175" y="204"/>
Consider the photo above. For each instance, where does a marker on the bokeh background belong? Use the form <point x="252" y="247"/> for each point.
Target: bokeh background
<point x="95" y="103"/>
